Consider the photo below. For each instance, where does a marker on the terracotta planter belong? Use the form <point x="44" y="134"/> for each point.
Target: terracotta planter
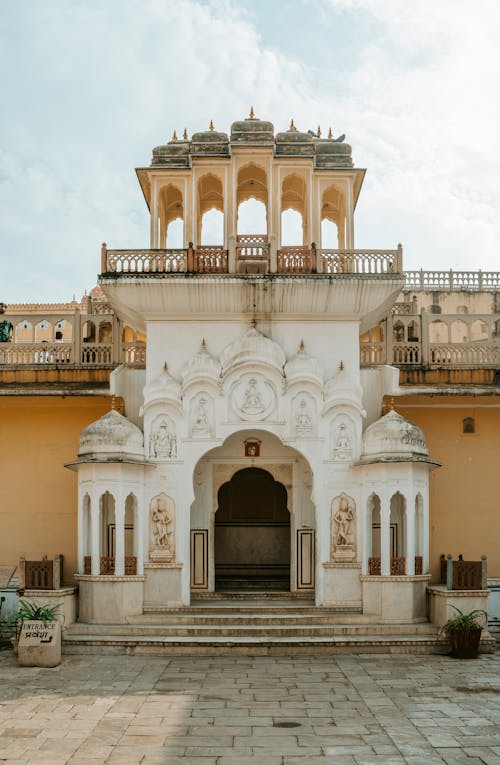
<point x="465" y="643"/>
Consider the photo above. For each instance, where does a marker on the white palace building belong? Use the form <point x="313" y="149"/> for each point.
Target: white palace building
<point x="251" y="456"/>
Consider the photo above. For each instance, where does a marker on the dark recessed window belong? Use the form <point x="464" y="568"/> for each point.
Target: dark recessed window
<point x="468" y="425"/>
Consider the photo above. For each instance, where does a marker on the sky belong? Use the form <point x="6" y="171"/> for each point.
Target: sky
<point x="89" y="87"/>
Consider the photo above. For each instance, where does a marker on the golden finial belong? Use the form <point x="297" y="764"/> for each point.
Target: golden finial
<point x="318" y="132"/>
<point x="391" y="404"/>
<point x="185" y="134"/>
<point x="252" y="113"/>
<point x="292" y="125"/>
<point x="341" y="366"/>
<point x="174" y="137"/>
<point x="203" y="345"/>
<point x="301" y="346"/>
<point x="330" y="134"/>
<point x="211" y="126"/>
<point x="165" y="366"/>
<point x="253" y="322"/>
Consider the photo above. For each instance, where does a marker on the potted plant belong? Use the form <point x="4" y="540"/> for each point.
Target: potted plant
<point x="464" y="633"/>
<point x="31" y="612"/>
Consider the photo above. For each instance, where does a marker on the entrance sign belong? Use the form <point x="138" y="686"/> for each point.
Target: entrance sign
<point x="39" y="644"/>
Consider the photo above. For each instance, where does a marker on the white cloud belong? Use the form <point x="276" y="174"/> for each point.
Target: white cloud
<point x="93" y="87"/>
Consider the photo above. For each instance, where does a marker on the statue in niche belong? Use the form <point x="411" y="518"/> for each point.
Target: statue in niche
<point x="252" y="402"/>
<point x="303" y="419"/>
<point x="343" y="527"/>
<point x="201" y="422"/>
<point x="162" y="528"/>
<point x="342" y="449"/>
<point x="163" y="443"/>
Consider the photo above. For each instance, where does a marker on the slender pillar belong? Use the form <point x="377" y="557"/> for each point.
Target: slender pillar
<point x="410" y="534"/>
<point x="81" y="529"/>
<point x="425" y="532"/>
<point x="119" y="534"/>
<point x="385" y="537"/>
<point x="139" y="524"/>
<point x="95" y="527"/>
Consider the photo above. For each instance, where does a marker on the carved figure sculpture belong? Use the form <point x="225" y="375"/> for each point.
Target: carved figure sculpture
<point x="342" y="449"/>
<point x="201" y="423"/>
<point x="343" y="518"/>
<point x="162" y="525"/>
<point x="252" y="401"/>
<point x="163" y="443"/>
<point x="303" y="419"/>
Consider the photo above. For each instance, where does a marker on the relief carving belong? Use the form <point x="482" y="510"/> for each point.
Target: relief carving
<point x="201" y="416"/>
<point x="163" y="443"/>
<point x="342" y="449"/>
<point x="162" y="528"/>
<point x="303" y="418"/>
<point x="343" y="528"/>
<point x="252" y="400"/>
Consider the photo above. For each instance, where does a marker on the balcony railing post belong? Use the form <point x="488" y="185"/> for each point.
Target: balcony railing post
<point x="424" y="338"/>
<point x="484" y="573"/>
<point x="399" y="259"/>
<point x="104" y="266"/>
<point x="313" y="258"/>
<point x="273" y="255"/>
<point x="449" y="571"/>
<point x="77" y="337"/>
<point x="190" y="258"/>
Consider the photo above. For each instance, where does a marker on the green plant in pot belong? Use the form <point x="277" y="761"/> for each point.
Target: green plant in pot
<point x="464" y="633"/>
<point x="32" y="612"/>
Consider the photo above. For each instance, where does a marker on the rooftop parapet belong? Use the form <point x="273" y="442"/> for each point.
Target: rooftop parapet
<point x="328" y="153"/>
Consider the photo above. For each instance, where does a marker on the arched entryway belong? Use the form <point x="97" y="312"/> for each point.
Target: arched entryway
<point x="252" y="533"/>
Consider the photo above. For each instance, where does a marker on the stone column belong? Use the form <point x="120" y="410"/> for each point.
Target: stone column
<point x="119" y="534"/>
<point x="139" y="525"/>
<point x="385" y="536"/>
<point x="154" y="215"/>
<point x="95" y="535"/>
<point x="81" y="530"/>
<point x="425" y="531"/>
<point x="410" y="534"/>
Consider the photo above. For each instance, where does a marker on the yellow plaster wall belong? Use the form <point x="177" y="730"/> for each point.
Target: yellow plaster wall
<point x="38" y="495"/>
<point x="465" y="492"/>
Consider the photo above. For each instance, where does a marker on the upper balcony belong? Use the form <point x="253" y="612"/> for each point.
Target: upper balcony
<point x="252" y="255"/>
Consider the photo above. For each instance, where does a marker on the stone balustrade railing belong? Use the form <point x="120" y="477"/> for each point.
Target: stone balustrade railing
<point x="291" y="260"/>
<point x="362" y="262"/>
<point x="430" y="281"/>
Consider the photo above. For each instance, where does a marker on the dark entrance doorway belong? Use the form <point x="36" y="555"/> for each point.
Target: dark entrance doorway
<point x="252" y="533"/>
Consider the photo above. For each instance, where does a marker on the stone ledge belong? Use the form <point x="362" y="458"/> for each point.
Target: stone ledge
<point x="415" y="578"/>
<point x="166" y="564"/>
<point x="343" y="564"/>
<point x="107" y="578"/>
<point x="442" y="591"/>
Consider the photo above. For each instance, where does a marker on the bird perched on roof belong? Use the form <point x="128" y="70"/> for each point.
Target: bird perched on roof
<point x="340" y="139"/>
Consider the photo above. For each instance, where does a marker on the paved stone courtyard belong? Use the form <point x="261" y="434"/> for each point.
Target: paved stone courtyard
<point x="346" y="710"/>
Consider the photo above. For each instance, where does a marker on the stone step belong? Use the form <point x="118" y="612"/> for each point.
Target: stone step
<point x="234" y="630"/>
<point x="239" y="619"/>
<point x="258" y="645"/>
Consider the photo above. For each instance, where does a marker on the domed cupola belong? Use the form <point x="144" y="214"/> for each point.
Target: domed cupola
<point x="344" y="390"/>
<point x="293" y="142"/>
<point x="303" y="368"/>
<point x="251" y="350"/>
<point x="210" y="142"/>
<point x="173" y="154"/>
<point x="112" y="436"/>
<point x="252" y="130"/>
<point x="201" y="368"/>
<point x="393" y="438"/>
<point x="163" y="389"/>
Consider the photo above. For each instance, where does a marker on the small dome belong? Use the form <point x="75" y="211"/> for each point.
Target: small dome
<point x="344" y="389"/>
<point x="112" y="434"/>
<point x="201" y="367"/>
<point x="252" y="130"/>
<point x="209" y="136"/>
<point x="303" y="367"/>
<point x="162" y="388"/>
<point x="393" y="436"/>
<point x="252" y="348"/>
<point x="294" y="136"/>
<point x="172" y="153"/>
<point x="332" y="153"/>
